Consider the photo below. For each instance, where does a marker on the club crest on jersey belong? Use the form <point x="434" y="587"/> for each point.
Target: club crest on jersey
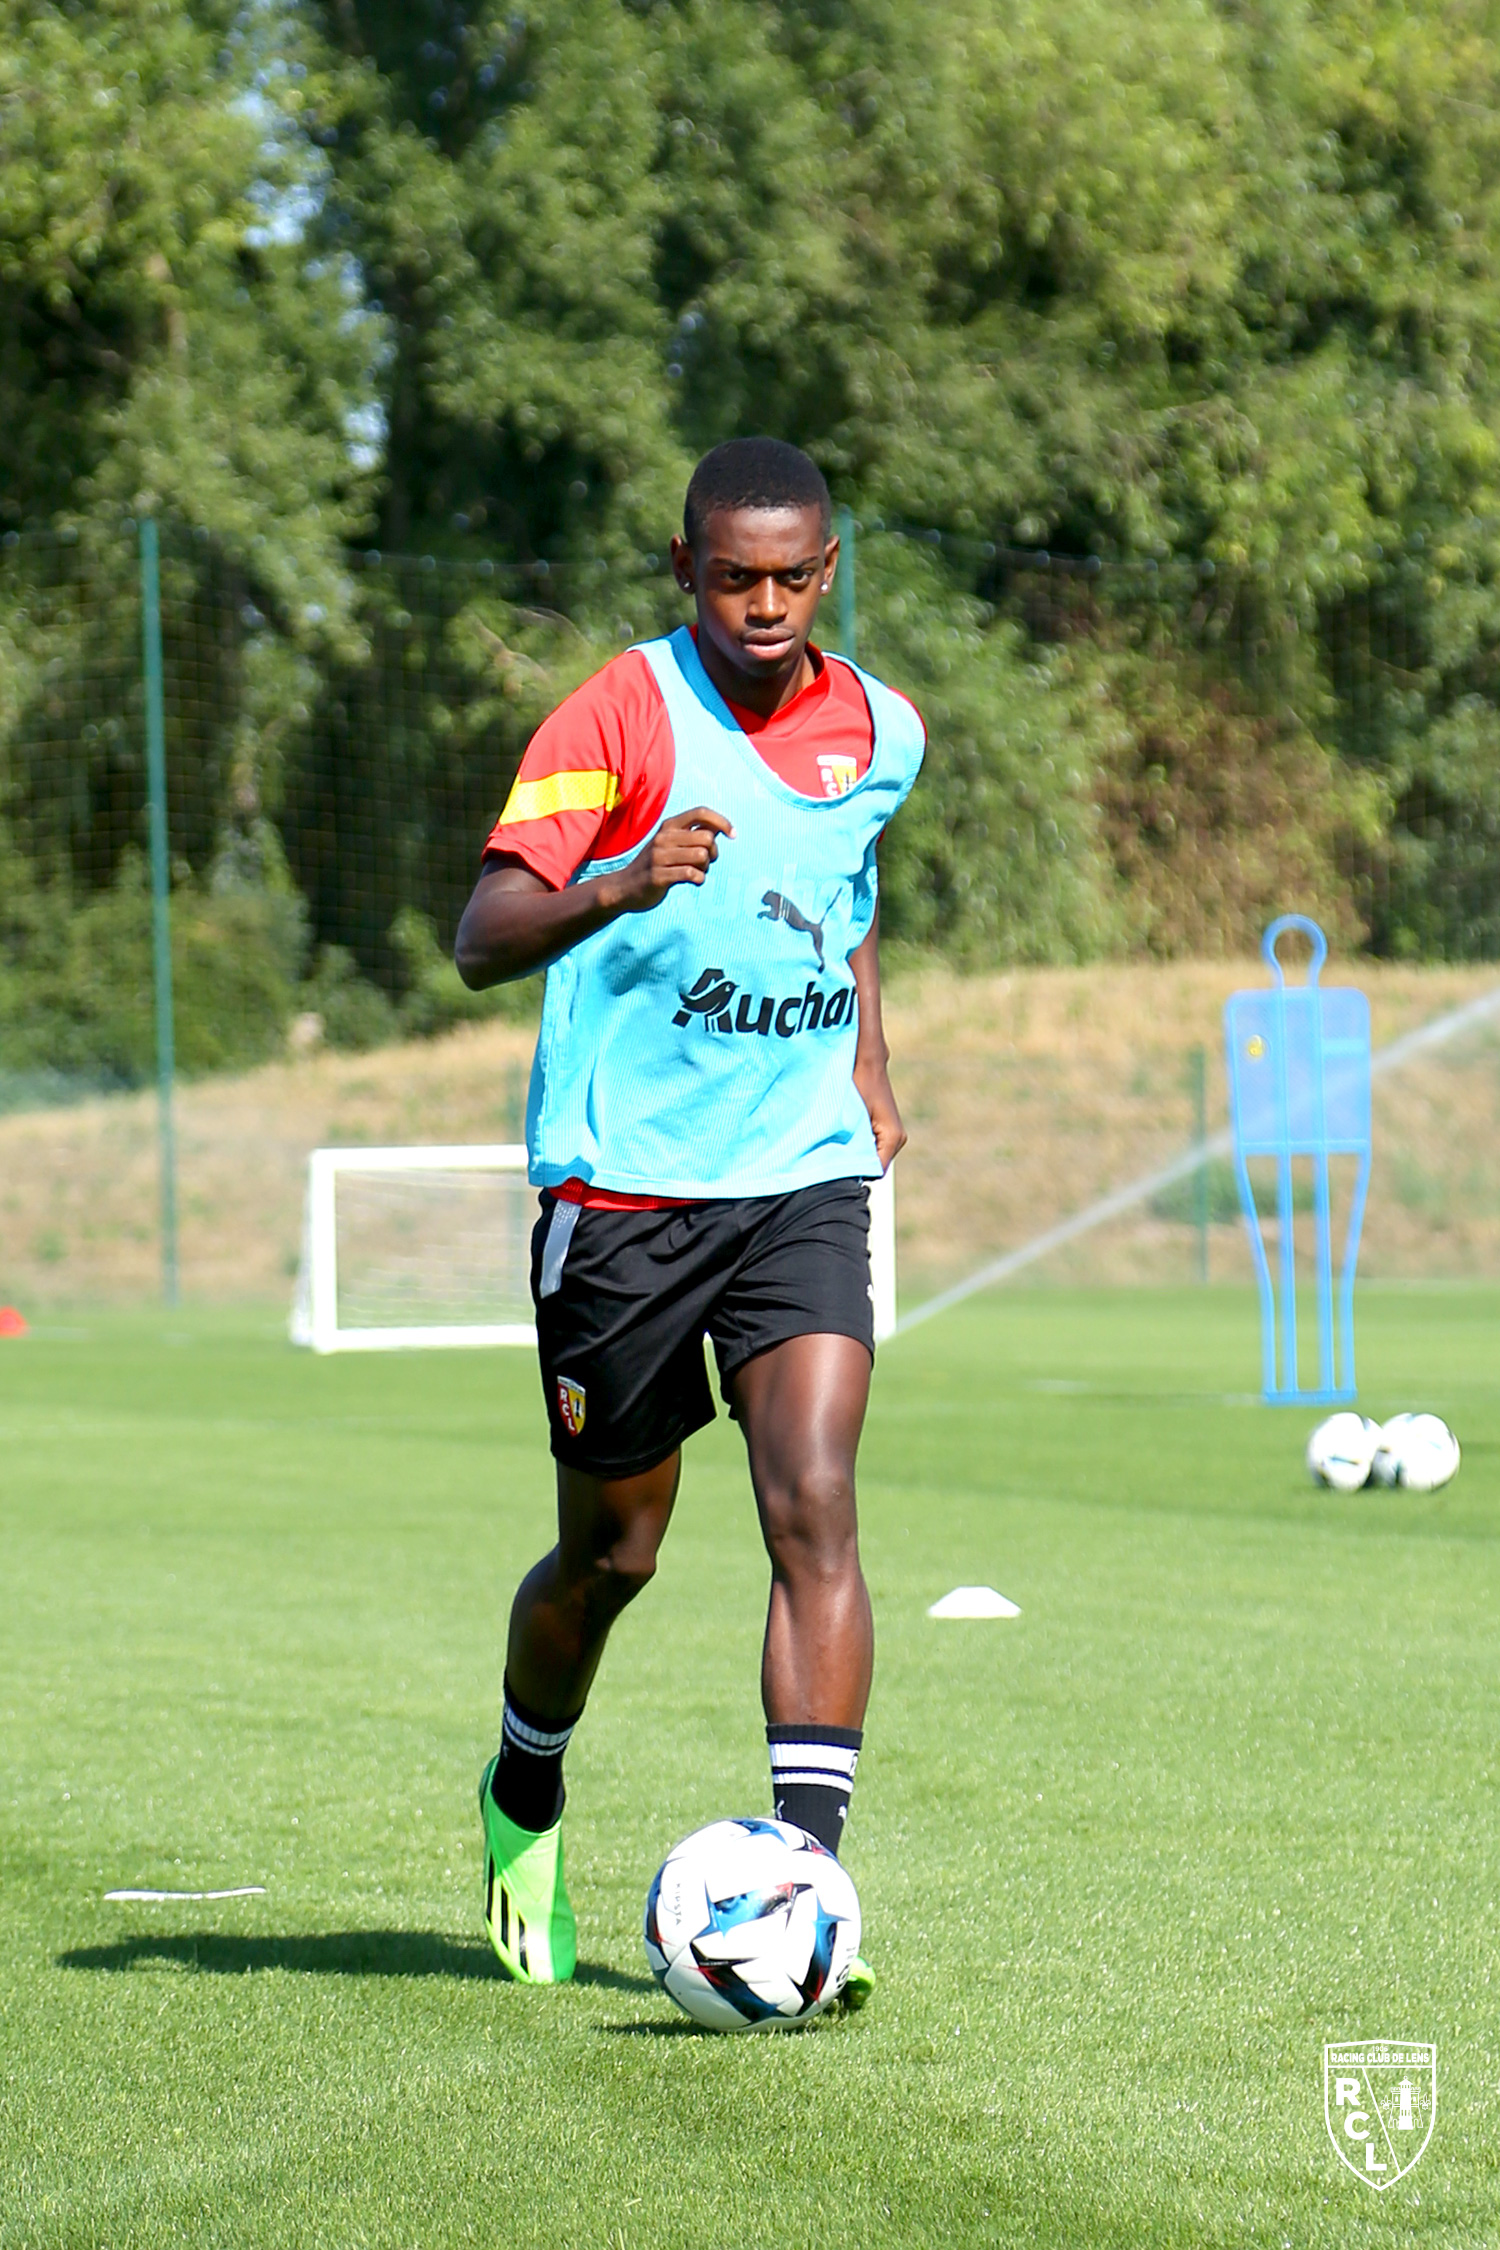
<point x="572" y="1404"/>
<point x="712" y="1001"/>
<point x="1380" y="2105"/>
<point x="839" y="773"/>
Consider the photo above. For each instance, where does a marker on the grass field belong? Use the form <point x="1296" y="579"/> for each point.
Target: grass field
<point x="1226" y="1790"/>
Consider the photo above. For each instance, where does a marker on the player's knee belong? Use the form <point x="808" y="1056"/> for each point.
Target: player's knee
<point x="628" y="1575"/>
<point x="811" y="1528"/>
<point x="611" y="1580"/>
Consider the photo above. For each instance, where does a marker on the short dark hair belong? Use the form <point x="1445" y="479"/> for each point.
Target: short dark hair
<point x="753" y="472"/>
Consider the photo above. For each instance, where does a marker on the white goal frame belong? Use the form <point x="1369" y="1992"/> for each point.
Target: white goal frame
<point x="315" y="1315"/>
<point x="314" y="1322"/>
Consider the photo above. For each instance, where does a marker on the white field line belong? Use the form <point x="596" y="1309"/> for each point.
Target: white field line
<point x="1387" y="1058"/>
<point x="157" y="1898"/>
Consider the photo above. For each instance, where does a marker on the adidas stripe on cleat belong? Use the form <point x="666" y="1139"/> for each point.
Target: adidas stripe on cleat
<point x="527" y="1915"/>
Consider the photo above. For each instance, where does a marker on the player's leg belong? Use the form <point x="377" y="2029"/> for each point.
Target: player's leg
<point x="802" y="1407"/>
<point x="794" y="1337"/>
<point x="620" y="1299"/>
<point x="793" y="1332"/>
<point x="801" y="1404"/>
<point x="608" y="1533"/>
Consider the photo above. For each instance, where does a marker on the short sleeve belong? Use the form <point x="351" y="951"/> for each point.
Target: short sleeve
<point x="594" y="778"/>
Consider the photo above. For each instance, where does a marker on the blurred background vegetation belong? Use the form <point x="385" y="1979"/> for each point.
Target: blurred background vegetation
<point x="1155" y="349"/>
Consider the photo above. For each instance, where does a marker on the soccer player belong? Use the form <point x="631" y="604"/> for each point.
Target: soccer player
<point x="689" y="850"/>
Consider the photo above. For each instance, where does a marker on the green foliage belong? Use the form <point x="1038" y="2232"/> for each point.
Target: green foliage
<point x="1089" y="280"/>
<point x="166" y="338"/>
<point x="436" y="997"/>
<point x="1442" y="901"/>
<point x="76" y="989"/>
<point x="494" y="176"/>
<point x="352" y="1013"/>
<point x="1216" y="812"/>
<point x="1209" y="288"/>
<point x="998" y="853"/>
<point x="1201" y="285"/>
<point x="403" y="757"/>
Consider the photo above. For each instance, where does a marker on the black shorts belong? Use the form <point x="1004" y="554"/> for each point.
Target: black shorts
<point x="625" y="1298"/>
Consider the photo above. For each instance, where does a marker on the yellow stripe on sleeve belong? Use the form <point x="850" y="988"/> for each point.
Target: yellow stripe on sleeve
<point x="559" y="793"/>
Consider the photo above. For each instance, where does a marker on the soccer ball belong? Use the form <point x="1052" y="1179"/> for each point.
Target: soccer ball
<point x="751" y="1926"/>
<point x="1417" y="1451"/>
<point x="1340" y="1451"/>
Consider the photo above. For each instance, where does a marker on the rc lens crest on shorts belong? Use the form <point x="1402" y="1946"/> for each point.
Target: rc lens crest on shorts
<point x="572" y="1405"/>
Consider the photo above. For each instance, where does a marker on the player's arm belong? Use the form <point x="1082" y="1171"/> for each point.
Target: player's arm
<point x="872" y="1056"/>
<point x="515" y="922"/>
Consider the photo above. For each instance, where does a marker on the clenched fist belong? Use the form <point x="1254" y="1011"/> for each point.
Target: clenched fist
<point x="682" y="851"/>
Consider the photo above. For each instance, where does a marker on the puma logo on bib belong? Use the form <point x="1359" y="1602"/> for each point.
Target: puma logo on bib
<point x="775" y="908"/>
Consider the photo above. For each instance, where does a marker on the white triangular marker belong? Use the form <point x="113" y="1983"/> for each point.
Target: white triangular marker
<point x="974" y="1601"/>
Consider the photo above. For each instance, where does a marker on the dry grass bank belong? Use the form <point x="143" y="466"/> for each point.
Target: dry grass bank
<point x="78" y="1187"/>
<point x="1027" y="1095"/>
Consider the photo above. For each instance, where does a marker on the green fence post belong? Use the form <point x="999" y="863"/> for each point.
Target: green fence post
<point x="848" y="603"/>
<point x="1199" y="1064"/>
<point x="161" y="903"/>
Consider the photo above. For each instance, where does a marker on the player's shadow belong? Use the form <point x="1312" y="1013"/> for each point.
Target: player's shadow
<point x="675" y="2027"/>
<point x="679" y="2027"/>
<point x="332" y="1953"/>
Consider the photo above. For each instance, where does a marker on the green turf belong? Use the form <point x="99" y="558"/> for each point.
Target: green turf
<point x="1226" y="1790"/>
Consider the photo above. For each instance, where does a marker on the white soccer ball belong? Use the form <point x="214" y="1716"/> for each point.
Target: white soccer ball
<point x="1416" y="1451"/>
<point x="751" y="1926"/>
<point x="1340" y="1451"/>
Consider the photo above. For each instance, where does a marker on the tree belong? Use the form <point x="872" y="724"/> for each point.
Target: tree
<point x="167" y="337"/>
<point x="1206" y="290"/>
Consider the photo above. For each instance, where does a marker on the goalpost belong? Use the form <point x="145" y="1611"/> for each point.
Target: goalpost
<point x="404" y="1248"/>
<point x="424" y="1248"/>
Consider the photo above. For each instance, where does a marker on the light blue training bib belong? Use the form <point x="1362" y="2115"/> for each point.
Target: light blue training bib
<point x="706" y="1048"/>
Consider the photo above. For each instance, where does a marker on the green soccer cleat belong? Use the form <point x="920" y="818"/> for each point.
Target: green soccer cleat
<point x="859" y="1986"/>
<point x="526" y="1910"/>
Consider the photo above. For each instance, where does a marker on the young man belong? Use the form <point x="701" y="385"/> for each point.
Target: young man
<point x="689" y="850"/>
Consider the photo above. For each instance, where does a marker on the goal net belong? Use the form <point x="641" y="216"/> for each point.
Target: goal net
<point x="404" y="1248"/>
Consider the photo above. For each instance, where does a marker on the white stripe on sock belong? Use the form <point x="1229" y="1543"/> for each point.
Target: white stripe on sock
<point x="827" y="1757"/>
<point x="532" y="1738"/>
<point x="841" y="1783"/>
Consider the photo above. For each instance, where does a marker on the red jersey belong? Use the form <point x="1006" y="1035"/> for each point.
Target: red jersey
<point x="596" y="774"/>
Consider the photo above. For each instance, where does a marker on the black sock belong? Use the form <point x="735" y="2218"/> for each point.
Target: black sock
<point x="812" y="1775"/>
<point x="527" y="1782"/>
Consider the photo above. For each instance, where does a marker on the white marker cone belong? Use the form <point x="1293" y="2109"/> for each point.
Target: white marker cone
<point x="974" y="1601"/>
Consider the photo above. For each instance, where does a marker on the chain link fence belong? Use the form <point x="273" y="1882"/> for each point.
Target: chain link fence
<point x="1186" y="750"/>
